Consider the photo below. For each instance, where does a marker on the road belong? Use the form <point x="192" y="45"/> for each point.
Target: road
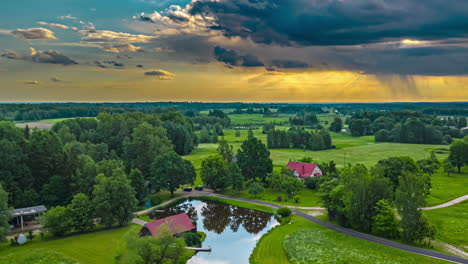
<point x="447" y="204"/>
<point x="367" y="237"/>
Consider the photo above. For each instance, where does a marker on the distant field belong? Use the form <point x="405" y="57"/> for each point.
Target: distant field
<point x="56" y="120"/>
<point x="256" y="119"/>
<point x="452" y="224"/>
<point x="32" y="125"/>
<point x="93" y="248"/>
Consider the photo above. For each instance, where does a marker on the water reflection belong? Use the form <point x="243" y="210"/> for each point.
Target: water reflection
<point x="232" y="232"/>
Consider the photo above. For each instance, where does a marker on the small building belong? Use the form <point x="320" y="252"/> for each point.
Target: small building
<point x="177" y="224"/>
<point x="27" y="218"/>
<point x="303" y="170"/>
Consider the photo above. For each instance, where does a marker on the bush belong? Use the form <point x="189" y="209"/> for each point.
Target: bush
<point x="284" y="212"/>
<point x="56" y="221"/>
<point x="313" y="182"/>
<point x="154" y="199"/>
<point x="279" y="198"/>
<point x="192" y="239"/>
<point x="31" y="235"/>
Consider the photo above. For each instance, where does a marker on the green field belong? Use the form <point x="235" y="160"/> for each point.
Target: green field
<point x="93" y="248"/>
<point x="56" y="120"/>
<point x="257" y="119"/>
<point x="451" y="223"/>
<point x="270" y="248"/>
<point x="446" y="188"/>
<point x="308" y="198"/>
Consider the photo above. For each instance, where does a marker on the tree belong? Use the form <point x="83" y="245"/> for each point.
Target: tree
<point x="53" y="193"/>
<point x="428" y="166"/>
<point x="225" y="150"/>
<point x="336" y="125"/>
<point x="5" y="215"/>
<point x="254" y="159"/>
<point x="170" y="171"/>
<point x="138" y="183"/>
<point x="56" y="221"/>
<point x="237" y="133"/>
<point x="409" y="196"/>
<point x="291" y="186"/>
<point x="459" y="154"/>
<point x="394" y="167"/>
<point x="181" y="137"/>
<point x="383" y="135"/>
<point x="164" y="249"/>
<point x="425" y="230"/>
<point x="214" y="172"/>
<point x="256" y="188"/>
<point x="114" y="199"/>
<point x="235" y="177"/>
<point x="147" y="143"/>
<point x="385" y="222"/>
<point x="250" y="134"/>
<point x="448" y="167"/>
<point x="80" y="213"/>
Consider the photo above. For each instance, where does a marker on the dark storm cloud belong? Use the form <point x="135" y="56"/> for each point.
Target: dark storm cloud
<point x="335" y="22"/>
<point x="289" y="64"/>
<point x="231" y="57"/>
<point x="48" y="56"/>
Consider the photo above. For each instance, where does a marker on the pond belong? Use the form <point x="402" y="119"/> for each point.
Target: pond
<point x="231" y="231"/>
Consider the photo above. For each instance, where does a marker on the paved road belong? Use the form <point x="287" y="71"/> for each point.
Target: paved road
<point x="454" y="201"/>
<point x="382" y="241"/>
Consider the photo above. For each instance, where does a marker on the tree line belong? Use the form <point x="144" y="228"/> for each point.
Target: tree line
<point x="407" y="127"/>
<point x="299" y="137"/>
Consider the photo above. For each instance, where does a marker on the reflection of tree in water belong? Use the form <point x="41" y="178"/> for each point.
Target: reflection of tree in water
<point x="184" y="207"/>
<point x="218" y="216"/>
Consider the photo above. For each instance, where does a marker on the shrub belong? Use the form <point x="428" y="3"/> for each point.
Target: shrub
<point x="279" y="198"/>
<point x="56" y="221"/>
<point x="313" y="182"/>
<point x="192" y="239"/>
<point x="154" y="199"/>
<point x="284" y="212"/>
<point x="31" y="235"/>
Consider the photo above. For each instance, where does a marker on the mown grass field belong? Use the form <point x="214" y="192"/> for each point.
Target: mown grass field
<point x="446" y="188"/>
<point x="92" y="248"/>
<point x="451" y="223"/>
<point x="257" y="119"/>
<point x="308" y="198"/>
<point x="270" y="248"/>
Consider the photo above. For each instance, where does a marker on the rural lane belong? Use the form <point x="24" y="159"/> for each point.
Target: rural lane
<point x="447" y="204"/>
<point x="353" y="233"/>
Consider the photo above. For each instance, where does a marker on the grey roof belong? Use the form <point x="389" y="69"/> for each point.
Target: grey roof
<point x="29" y="210"/>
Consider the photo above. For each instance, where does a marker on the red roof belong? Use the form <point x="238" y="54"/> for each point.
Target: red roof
<point x="176" y="224"/>
<point x="304" y="169"/>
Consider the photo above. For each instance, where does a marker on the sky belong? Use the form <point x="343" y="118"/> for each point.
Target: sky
<point x="233" y="50"/>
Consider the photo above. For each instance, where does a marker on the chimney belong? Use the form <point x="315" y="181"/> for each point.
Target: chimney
<point x="303" y="169"/>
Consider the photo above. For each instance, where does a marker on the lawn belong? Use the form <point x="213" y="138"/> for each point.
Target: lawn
<point x="308" y="198"/>
<point x="97" y="247"/>
<point x="451" y="223"/>
<point x="446" y="188"/>
<point x="270" y="248"/>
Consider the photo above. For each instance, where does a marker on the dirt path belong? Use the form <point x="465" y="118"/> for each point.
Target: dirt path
<point x="447" y="204"/>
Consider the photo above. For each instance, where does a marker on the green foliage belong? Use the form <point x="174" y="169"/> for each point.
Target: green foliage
<point x="80" y="213"/>
<point x="256" y="188"/>
<point x="5" y="215"/>
<point x="170" y="171"/>
<point x="137" y="181"/>
<point x="254" y="159"/>
<point x="409" y="196"/>
<point x="385" y="222"/>
<point x="215" y="173"/>
<point x="291" y="186"/>
<point x="299" y="138"/>
<point x="459" y="154"/>
<point x="448" y="167"/>
<point x="192" y="239"/>
<point x="225" y="150"/>
<point x="235" y="177"/>
<point x="114" y="199"/>
<point x="165" y="249"/>
<point x="56" y="221"/>
<point x="181" y="136"/>
<point x="284" y="212"/>
<point x="147" y="143"/>
<point x="394" y="167"/>
<point x="313" y="183"/>
<point x="36" y="256"/>
<point x="336" y="125"/>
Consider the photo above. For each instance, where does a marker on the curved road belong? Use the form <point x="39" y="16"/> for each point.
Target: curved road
<point x="447" y="204"/>
<point x="382" y="241"/>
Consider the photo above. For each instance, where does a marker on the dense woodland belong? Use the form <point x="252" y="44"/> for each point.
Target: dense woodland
<point x="407" y="127"/>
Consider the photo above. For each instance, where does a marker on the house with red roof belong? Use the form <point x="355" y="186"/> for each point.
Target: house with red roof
<point x="304" y="169"/>
<point x="176" y="224"/>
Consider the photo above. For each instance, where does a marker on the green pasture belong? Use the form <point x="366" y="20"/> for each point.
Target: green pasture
<point x="446" y="188"/>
